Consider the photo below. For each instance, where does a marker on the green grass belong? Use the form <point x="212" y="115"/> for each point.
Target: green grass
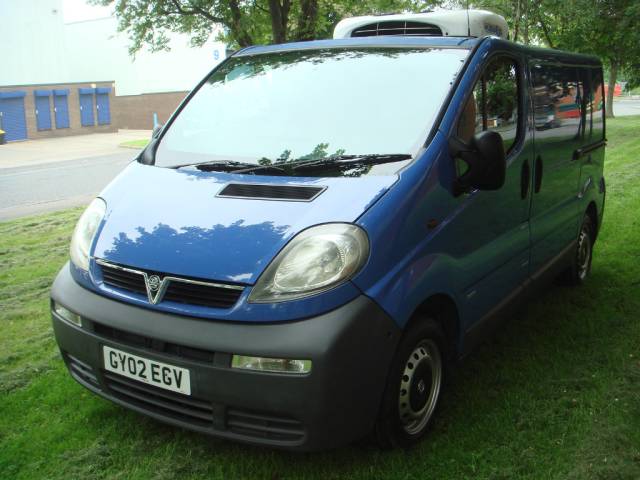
<point x="135" y="143"/>
<point x="555" y="394"/>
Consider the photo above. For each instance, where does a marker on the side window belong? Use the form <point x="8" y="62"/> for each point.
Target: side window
<point x="597" y="105"/>
<point x="569" y="101"/>
<point x="493" y="104"/>
<point x="559" y="101"/>
<point x="584" y="74"/>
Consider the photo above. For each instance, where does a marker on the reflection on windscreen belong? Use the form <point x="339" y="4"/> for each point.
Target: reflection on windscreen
<point x="313" y="104"/>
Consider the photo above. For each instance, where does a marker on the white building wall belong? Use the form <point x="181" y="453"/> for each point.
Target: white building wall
<point x="33" y="42"/>
<point x="42" y="49"/>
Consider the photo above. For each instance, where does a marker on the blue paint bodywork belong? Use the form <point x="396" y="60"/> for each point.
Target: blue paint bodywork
<point x="176" y="224"/>
<point x="474" y="249"/>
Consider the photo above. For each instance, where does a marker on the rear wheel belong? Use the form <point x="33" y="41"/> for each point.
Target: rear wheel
<point x="413" y="387"/>
<point x="580" y="268"/>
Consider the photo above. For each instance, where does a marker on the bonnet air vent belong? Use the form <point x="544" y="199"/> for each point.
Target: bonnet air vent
<point x="295" y="193"/>
<point x="411" y="29"/>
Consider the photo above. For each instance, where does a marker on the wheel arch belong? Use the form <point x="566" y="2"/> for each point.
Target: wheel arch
<point x="592" y="211"/>
<point x="443" y="309"/>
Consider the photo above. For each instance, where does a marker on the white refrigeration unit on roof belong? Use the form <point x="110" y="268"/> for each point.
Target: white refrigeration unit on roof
<point x="444" y="23"/>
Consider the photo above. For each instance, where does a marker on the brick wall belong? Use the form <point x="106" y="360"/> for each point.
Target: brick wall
<point x="136" y="111"/>
<point x="73" y="101"/>
<point x="127" y="112"/>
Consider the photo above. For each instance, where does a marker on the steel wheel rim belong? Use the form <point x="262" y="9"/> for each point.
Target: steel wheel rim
<point x="584" y="253"/>
<point x="420" y="387"/>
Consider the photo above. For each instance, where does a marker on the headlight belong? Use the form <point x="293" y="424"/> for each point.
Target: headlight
<point x="84" y="233"/>
<point x="314" y="261"/>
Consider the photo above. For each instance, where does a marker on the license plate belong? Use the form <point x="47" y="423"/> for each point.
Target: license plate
<point x="148" y="371"/>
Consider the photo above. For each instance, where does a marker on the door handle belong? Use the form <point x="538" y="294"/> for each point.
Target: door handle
<point x="587" y="149"/>
<point x="538" y="173"/>
<point x="525" y="179"/>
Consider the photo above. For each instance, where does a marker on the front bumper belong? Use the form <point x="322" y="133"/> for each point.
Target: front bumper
<point x="351" y="349"/>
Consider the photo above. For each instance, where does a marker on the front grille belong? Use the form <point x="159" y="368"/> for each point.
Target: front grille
<point x="123" y="279"/>
<point x="410" y="29"/>
<point x="180" y="289"/>
<point x="174" y="405"/>
<point x="160" y="346"/>
<point x="263" y="425"/>
<point x="205" y="296"/>
<point x="271" y="192"/>
<point x="81" y="371"/>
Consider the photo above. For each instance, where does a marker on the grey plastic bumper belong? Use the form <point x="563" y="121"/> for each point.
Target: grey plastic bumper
<point x="351" y="349"/>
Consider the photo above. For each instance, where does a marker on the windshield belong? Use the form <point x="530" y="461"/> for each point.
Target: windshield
<point x="313" y="104"/>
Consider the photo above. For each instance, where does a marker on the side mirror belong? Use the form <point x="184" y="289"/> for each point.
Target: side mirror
<point x="148" y="155"/>
<point x="485" y="160"/>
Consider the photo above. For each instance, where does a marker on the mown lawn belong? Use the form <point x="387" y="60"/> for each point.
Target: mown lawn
<point x="135" y="143"/>
<point x="555" y="395"/>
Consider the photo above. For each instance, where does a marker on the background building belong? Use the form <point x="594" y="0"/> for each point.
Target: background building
<point x="66" y="70"/>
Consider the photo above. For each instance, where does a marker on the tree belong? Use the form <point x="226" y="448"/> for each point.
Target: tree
<point x="525" y="18"/>
<point x="605" y="28"/>
<point x="608" y="29"/>
<point x="244" y="23"/>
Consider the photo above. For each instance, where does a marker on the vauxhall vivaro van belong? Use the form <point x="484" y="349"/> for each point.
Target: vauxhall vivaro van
<point x="322" y="226"/>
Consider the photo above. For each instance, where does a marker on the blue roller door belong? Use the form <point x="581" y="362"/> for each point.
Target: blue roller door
<point x="12" y="117"/>
<point x="61" y="108"/>
<point x="43" y="109"/>
<point x="86" y="106"/>
<point x="102" y="105"/>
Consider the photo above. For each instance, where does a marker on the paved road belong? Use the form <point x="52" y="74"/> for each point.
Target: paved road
<point x="626" y="107"/>
<point x="47" y="187"/>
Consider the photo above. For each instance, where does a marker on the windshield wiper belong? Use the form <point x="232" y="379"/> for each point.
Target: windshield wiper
<point x="341" y="161"/>
<point x="262" y="168"/>
<point x="279" y="168"/>
<point x="232" y="166"/>
<point x="220" y="165"/>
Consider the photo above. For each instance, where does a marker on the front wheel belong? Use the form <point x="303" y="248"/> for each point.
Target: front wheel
<point x="413" y="387"/>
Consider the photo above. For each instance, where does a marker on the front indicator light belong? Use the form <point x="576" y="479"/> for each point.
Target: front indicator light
<point x="272" y="365"/>
<point x="67" y="314"/>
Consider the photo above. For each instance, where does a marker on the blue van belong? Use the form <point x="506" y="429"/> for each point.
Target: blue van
<point x="321" y="228"/>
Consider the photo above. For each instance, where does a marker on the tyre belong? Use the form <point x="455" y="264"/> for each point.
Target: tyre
<point x="413" y="386"/>
<point x="580" y="267"/>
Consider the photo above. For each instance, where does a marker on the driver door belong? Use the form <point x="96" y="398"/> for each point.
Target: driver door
<point x="494" y="225"/>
